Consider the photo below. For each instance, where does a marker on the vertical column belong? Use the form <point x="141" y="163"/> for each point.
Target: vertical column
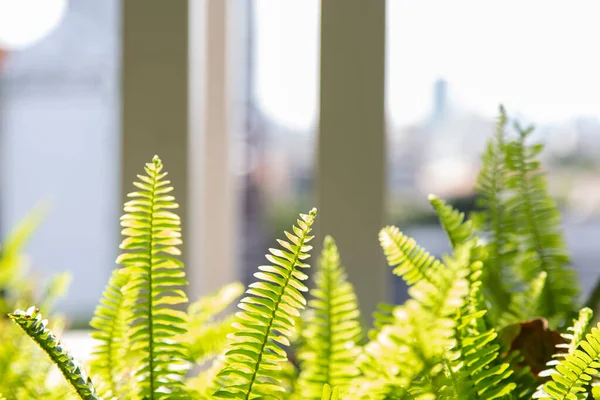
<point x="351" y="144"/>
<point x="176" y="103"/>
<point x="214" y="249"/>
<point x="155" y="92"/>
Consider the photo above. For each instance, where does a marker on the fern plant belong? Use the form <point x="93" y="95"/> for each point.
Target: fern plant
<point x="477" y="325"/>
<point x="332" y="333"/>
<point x="155" y="280"/>
<point x="266" y="321"/>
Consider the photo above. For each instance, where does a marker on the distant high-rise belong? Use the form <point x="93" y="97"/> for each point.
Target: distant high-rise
<point x="440" y="99"/>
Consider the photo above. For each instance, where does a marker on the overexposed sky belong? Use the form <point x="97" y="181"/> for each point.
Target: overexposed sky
<point x="539" y="58"/>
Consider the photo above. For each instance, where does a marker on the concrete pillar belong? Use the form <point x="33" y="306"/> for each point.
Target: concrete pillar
<point x="176" y="103"/>
<point x="154" y="102"/>
<point x="351" y="144"/>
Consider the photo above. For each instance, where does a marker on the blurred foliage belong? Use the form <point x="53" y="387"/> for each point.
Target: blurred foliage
<point x="494" y="319"/>
<point x="23" y="365"/>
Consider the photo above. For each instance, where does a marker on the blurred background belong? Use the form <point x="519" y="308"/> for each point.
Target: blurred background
<point x="229" y="94"/>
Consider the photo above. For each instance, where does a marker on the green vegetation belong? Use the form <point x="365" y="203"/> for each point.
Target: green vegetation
<point x="497" y="318"/>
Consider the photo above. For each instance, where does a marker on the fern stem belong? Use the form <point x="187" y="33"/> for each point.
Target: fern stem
<point x="273" y="313"/>
<point x="150" y="302"/>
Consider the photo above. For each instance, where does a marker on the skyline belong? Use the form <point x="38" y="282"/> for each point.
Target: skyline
<point x="546" y="75"/>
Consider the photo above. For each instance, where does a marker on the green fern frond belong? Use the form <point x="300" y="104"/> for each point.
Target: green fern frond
<point x="391" y="358"/>
<point x="402" y="357"/>
<point x="208" y="381"/>
<point x="537" y="222"/>
<point x="209" y="340"/>
<point x="493" y="220"/>
<point x="575" y="371"/>
<point x="110" y="324"/>
<point x="410" y="261"/>
<point x="525" y="305"/>
<point x="526" y="382"/>
<point x="575" y="334"/>
<point x="578" y="330"/>
<point x="23" y="364"/>
<point x="266" y="322"/>
<point x="207" y="331"/>
<point x="472" y="365"/>
<point x="204" y="384"/>
<point x="379" y="389"/>
<point x="457" y="228"/>
<point x="481" y="372"/>
<point x="329" y="394"/>
<point x="332" y="330"/>
<point x="152" y="233"/>
<point x="382" y="316"/>
<point x="434" y="286"/>
<point x="207" y="308"/>
<point x="35" y="327"/>
<point x="11" y="251"/>
<point x="54" y="289"/>
<point x="491" y="180"/>
<point x="475" y="367"/>
<point x="48" y="391"/>
<point x="406" y="356"/>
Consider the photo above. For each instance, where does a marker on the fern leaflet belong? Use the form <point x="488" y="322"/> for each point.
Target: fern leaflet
<point x="329" y="394"/>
